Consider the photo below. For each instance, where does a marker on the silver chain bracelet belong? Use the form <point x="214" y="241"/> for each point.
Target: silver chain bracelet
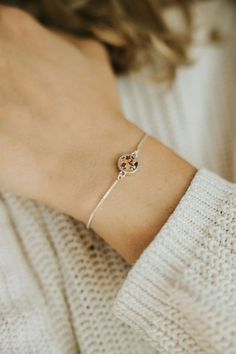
<point x="127" y="164"/>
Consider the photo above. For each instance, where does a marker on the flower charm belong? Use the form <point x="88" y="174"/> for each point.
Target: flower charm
<point x="128" y="163"/>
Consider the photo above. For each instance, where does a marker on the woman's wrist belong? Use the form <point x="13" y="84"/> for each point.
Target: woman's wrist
<point x="141" y="203"/>
<point x="121" y="137"/>
<point x="87" y="176"/>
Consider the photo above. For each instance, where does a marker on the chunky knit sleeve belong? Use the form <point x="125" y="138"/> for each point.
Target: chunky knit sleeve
<point x="181" y="293"/>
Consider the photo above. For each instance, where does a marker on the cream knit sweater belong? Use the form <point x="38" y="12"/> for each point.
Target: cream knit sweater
<point x="65" y="291"/>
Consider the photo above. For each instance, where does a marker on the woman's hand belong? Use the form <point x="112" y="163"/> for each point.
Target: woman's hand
<point x="60" y="120"/>
<point x="61" y="132"/>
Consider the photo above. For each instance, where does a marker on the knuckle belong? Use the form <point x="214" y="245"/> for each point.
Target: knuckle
<point x="94" y="47"/>
<point x="13" y="17"/>
<point x="9" y="13"/>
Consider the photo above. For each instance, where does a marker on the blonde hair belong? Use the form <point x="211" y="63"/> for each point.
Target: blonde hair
<point x="140" y="25"/>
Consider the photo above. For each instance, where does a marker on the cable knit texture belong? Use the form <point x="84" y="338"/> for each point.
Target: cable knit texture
<point x="63" y="290"/>
<point x="181" y="294"/>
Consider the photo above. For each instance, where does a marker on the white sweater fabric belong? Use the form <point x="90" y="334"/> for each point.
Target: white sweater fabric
<point x="63" y="290"/>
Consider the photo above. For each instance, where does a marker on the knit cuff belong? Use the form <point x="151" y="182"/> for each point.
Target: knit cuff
<point x="145" y="297"/>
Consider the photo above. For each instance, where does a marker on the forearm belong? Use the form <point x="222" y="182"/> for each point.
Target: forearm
<point x="141" y="203"/>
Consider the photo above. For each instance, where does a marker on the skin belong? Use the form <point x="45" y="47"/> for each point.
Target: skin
<point x="62" y="130"/>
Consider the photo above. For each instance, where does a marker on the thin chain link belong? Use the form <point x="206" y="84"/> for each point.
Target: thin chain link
<point x="120" y="176"/>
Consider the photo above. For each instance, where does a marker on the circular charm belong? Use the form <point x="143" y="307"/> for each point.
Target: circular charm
<point x="128" y="163"/>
